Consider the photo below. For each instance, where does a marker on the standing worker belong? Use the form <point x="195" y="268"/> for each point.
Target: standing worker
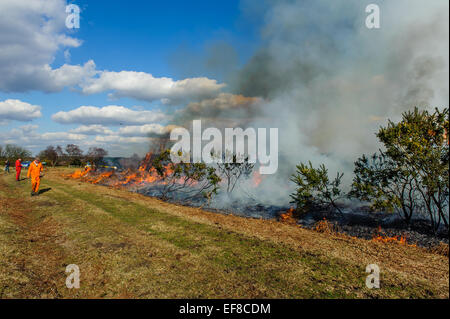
<point x="7" y="166"/>
<point x="18" y="169"/>
<point x="34" y="171"/>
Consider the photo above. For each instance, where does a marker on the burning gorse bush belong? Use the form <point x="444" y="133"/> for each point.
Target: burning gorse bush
<point x="410" y="176"/>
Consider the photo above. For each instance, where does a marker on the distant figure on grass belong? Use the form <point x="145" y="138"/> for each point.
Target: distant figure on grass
<point x="34" y="171"/>
<point x="18" y="169"/>
<point x="7" y="166"/>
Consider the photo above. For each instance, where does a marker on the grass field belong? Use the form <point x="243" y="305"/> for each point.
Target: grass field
<point x="131" y="246"/>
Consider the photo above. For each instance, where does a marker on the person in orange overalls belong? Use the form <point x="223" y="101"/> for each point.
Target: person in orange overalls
<point x="34" y="171"/>
<point x="18" y="169"/>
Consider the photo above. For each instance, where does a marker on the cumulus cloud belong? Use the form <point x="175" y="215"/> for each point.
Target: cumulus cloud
<point x="68" y="75"/>
<point x="149" y="130"/>
<point x="17" y="110"/>
<point x="31" y="33"/>
<point x="146" y="87"/>
<point x="128" y="140"/>
<point x="62" y="136"/>
<point x="117" y="139"/>
<point x="108" y="115"/>
<point x="92" y="130"/>
<point x="29" y="137"/>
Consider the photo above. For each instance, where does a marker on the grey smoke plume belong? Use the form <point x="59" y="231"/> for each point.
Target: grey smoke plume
<point x="327" y="82"/>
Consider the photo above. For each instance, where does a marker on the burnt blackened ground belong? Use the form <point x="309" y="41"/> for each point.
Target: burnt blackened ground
<point x="358" y="222"/>
<point x="364" y="224"/>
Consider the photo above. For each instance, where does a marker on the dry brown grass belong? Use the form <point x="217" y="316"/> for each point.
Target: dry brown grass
<point x="440" y="249"/>
<point x="324" y="226"/>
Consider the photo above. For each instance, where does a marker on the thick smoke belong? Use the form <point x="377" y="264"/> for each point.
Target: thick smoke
<point x="327" y="82"/>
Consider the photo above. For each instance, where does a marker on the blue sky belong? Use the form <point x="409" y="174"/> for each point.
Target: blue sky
<point x="311" y="68"/>
<point x="156" y="37"/>
<point x="141" y="35"/>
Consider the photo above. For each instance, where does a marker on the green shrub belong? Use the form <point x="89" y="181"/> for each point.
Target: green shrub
<point x="314" y="188"/>
<point x="411" y="175"/>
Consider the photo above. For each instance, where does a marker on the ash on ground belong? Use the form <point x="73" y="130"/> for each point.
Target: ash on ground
<point x="362" y="223"/>
<point x="357" y="221"/>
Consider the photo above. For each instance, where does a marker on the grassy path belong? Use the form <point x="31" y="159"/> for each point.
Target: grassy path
<point x="130" y="246"/>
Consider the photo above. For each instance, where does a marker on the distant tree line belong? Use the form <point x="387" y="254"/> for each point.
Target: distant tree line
<point x="12" y="152"/>
<point x="55" y="155"/>
<point x="72" y="155"/>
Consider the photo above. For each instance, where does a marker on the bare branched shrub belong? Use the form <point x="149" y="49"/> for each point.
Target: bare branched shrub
<point x="232" y="169"/>
<point x="190" y="179"/>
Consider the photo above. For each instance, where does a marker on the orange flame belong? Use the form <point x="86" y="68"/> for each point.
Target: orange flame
<point x="386" y="239"/>
<point x="324" y="226"/>
<point x="102" y="177"/>
<point x="257" y="178"/>
<point x="288" y="216"/>
<point x="79" y="174"/>
<point x="145" y="166"/>
<point x="145" y="174"/>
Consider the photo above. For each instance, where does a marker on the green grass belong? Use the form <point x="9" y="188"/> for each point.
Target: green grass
<point x="228" y="251"/>
<point x="128" y="248"/>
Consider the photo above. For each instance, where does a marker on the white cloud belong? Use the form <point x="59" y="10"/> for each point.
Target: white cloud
<point x="122" y="142"/>
<point x="17" y="110"/>
<point x="27" y="136"/>
<point x="29" y="128"/>
<point x="143" y="86"/>
<point x="92" y="130"/>
<point x="62" y="136"/>
<point x="144" y="130"/>
<point x="68" y="75"/>
<point x="116" y="139"/>
<point x="108" y="115"/>
<point x="31" y="33"/>
<point x="67" y="55"/>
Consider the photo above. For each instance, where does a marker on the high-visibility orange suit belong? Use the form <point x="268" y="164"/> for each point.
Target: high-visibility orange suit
<point x="34" y="171"/>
